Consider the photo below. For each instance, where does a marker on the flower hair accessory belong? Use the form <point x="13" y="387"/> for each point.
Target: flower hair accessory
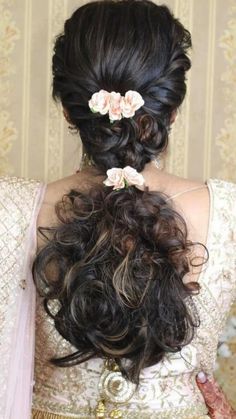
<point x="122" y="178"/>
<point x="115" y="105"/>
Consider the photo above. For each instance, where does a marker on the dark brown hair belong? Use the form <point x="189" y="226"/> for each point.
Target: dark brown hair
<point x="117" y="259"/>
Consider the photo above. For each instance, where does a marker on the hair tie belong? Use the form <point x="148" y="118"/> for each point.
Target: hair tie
<point x="123" y="178"/>
<point x="115" y="105"/>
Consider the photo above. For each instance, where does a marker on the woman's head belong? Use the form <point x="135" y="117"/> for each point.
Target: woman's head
<point x="121" y="46"/>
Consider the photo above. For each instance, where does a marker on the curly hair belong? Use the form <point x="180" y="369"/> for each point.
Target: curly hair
<point x="117" y="258"/>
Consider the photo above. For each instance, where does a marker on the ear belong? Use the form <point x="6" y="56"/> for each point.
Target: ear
<point x="173" y="116"/>
<point x="65" y="113"/>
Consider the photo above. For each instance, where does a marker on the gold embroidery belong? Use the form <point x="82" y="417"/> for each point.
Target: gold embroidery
<point x="38" y="414"/>
<point x="116" y="414"/>
<point x="113" y="387"/>
<point x="100" y="411"/>
<point x="174" y="414"/>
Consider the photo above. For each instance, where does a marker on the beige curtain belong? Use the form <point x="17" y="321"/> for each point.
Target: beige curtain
<point x="34" y="141"/>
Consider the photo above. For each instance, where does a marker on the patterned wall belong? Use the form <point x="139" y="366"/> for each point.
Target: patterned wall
<point x="34" y="141"/>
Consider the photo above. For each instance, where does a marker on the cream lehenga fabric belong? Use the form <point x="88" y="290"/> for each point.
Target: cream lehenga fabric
<point x="167" y="390"/>
<point x="20" y="201"/>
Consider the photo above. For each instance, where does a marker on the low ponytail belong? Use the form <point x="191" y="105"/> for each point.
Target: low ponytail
<point x="116" y="262"/>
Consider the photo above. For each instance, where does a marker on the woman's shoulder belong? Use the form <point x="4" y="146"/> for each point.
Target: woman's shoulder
<point x="81" y="180"/>
<point x="56" y="190"/>
<point x="206" y="204"/>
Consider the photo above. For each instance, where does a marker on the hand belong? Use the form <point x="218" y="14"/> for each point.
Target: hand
<point x="216" y="401"/>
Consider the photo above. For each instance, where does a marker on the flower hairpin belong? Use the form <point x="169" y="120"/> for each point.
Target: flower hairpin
<point x="123" y="178"/>
<point x="115" y="105"/>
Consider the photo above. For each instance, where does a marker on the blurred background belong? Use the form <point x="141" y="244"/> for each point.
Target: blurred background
<point x="34" y="138"/>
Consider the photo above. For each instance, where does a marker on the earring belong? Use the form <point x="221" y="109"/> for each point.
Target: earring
<point x="86" y="161"/>
<point x="159" y="162"/>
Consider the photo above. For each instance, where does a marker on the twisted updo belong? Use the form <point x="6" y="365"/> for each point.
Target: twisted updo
<point x="120" y="46"/>
<point x="117" y="259"/>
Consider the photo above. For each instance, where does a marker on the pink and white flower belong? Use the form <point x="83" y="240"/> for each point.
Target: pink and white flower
<point x="115" y="178"/>
<point x="120" y="178"/>
<point x="130" y="103"/>
<point x="115" y="109"/>
<point x="132" y="177"/>
<point x="100" y="102"/>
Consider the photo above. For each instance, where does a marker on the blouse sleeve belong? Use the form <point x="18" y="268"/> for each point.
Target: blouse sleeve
<point x="220" y="276"/>
<point x="218" y="279"/>
<point x="20" y="201"/>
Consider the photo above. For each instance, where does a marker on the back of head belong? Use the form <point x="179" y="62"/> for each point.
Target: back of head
<point x="120" y="255"/>
<point x="121" y="46"/>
